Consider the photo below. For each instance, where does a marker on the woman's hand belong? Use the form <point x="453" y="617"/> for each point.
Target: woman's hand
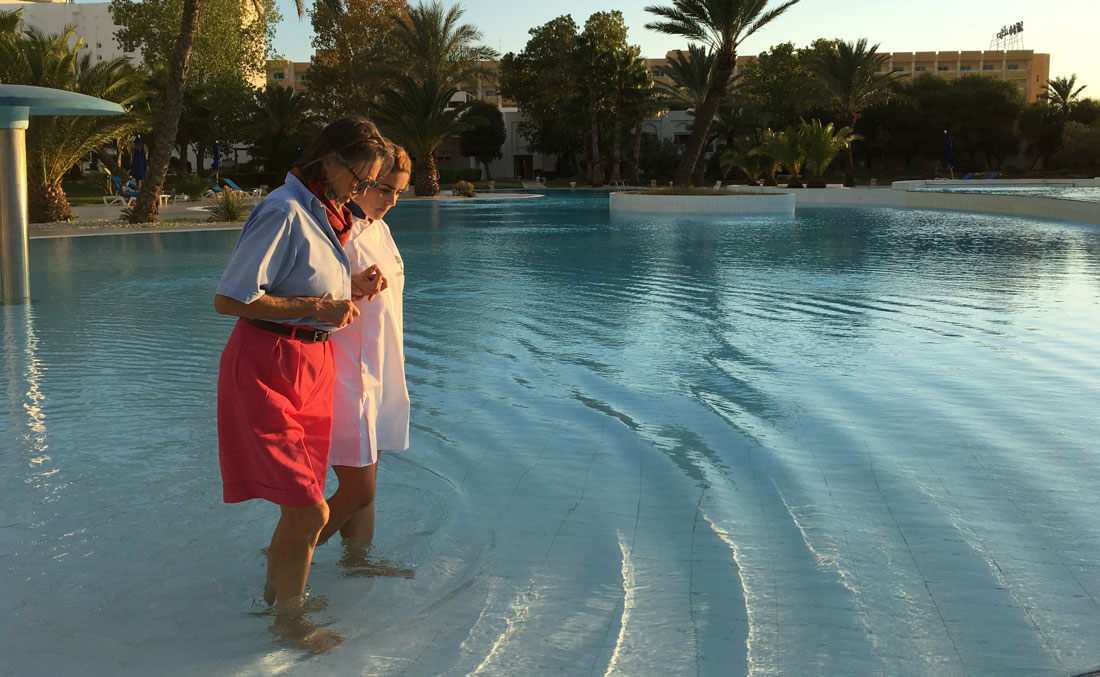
<point x="368" y="283"/>
<point x="337" y="312"/>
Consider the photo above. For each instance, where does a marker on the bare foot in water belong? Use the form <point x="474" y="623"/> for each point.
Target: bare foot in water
<point x="295" y="629"/>
<point x="311" y="605"/>
<point x="356" y="561"/>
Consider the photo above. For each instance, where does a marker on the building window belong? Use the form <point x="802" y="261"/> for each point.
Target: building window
<point x="964" y="68"/>
<point x="658" y="73"/>
<point x="919" y="69"/>
<point x="898" y="69"/>
<point x="941" y="68"/>
<point x="303" y="78"/>
<point x="490" y="93"/>
<point x="1013" y="66"/>
<point x="987" y="67"/>
<point x="278" y="76"/>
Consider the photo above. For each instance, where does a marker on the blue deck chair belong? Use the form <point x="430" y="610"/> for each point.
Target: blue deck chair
<point x="212" y="189"/>
<point x="254" y="192"/>
<point x="991" y="175"/>
<point x="968" y="176"/>
<point x="123" y="193"/>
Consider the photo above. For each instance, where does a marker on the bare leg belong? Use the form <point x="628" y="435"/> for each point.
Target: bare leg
<point x="354" y="494"/>
<point x="288" y="563"/>
<point x="360" y="525"/>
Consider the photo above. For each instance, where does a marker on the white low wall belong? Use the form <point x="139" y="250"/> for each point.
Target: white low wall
<point x="1022" y="205"/>
<point x="778" y="204"/>
<point x="978" y="183"/>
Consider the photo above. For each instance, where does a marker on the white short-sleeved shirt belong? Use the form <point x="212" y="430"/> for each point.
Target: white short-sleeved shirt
<point x="370" y="409"/>
<point x="288" y="248"/>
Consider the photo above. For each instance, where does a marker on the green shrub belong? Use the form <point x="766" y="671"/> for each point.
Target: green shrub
<point x="185" y="184"/>
<point x="464" y="188"/>
<point x="231" y="206"/>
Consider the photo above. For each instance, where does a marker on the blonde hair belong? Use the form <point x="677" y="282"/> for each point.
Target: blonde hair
<point x="402" y="163"/>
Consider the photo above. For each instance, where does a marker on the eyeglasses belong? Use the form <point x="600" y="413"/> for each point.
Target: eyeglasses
<point x="361" y="186"/>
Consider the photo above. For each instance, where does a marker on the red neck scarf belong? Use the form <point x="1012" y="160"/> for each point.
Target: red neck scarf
<point x="339" y="218"/>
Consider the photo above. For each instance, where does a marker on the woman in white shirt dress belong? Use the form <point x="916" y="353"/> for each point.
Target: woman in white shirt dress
<point x="370" y="400"/>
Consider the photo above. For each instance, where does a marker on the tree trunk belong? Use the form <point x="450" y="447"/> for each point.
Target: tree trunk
<point x="849" y="168"/>
<point x="587" y="156"/>
<point x="723" y="70"/>
<point x="636" y="160"/>
<point x="46" y="204"/>
<point x="488" y="174"/>
<point x="617" y="144"/>
<point x="427" y="178"/>
<point x="595" y="178"/>
<point x="148" y="200"/>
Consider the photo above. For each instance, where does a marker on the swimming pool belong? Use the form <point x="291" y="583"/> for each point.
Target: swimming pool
<point x="856" y="441"/>
<point x="1079" y="193"/>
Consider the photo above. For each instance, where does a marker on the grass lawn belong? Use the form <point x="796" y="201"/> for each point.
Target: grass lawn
<point x="85" y="191"/>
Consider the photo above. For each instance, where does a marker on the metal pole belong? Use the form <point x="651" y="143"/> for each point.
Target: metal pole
<point x="15" y="280"/>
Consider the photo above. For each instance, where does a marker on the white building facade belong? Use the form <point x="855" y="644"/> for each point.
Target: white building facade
<point x="92" y="20"/>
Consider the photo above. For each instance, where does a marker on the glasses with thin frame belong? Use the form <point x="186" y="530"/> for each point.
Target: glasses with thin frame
<point x="361" y="186"/>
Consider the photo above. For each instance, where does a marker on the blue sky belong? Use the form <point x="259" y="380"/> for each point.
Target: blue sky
<point x="1065" y="29"/>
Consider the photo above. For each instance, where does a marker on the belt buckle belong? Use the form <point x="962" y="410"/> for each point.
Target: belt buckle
<point x="319" y="336"/>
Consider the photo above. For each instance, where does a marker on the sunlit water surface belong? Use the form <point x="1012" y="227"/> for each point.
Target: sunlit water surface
<point x="858" y="442"/>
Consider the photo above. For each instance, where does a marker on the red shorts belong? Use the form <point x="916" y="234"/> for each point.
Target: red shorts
<point x="274" y="417"/>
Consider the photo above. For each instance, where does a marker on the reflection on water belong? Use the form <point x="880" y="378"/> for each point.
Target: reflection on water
<point x="23" y="384"/>
<point x="857" y="441"/>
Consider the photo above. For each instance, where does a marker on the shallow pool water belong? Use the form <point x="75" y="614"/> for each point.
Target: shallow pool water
<point x="856" y="442"/>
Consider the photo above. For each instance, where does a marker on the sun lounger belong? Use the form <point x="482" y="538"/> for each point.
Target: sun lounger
<point x="991" y="175"/>
<point x="124" y="193"/>
<point x="968" y="176"/>
<point x="253" y="192"/>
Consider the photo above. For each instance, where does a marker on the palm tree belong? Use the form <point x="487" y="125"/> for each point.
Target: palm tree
<point x="690" y="75"/>
<point x="415" y="115"/>
<point x="788" y="149"/>
<point x="54" y="143"/>
<point x="1061" y="95"/>
<point x="147" y="202"/>
<point x="437" y="47"/>
<point x="722" y="25"/>
<point x="821" y="144"/>
<point x="281" y="120"/>
<point x="632" y="87"/>
<point x="745" y="159"/>
<point x="851" y="78"/>
<point x="11" y="22"/>
<point x="645" y="102"/>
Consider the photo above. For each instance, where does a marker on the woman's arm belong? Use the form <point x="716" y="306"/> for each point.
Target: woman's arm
<point x="337" y="312"/>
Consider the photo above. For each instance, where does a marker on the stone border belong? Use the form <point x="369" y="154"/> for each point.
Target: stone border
<point x="901" y="195"/>
<point x="777" y="204"/>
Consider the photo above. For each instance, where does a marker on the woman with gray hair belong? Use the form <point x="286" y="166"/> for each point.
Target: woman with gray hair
<point x="290" y="283"/>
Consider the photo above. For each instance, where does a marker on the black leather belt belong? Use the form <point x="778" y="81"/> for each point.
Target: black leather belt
<point x="295" y="332"/>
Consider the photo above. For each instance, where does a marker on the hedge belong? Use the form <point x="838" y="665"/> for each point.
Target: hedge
<point x="454" y="175"/>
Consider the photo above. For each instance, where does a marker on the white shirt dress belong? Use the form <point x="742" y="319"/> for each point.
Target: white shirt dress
<point x="370" y="408"/>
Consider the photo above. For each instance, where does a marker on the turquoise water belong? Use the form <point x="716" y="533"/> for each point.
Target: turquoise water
<point x="856" y="442"/>
<point x="1079" y="193"/>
